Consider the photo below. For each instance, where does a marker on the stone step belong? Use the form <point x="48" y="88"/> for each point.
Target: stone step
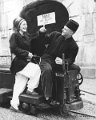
<point x="4" y="93"/>
<point x="88" y="72"/>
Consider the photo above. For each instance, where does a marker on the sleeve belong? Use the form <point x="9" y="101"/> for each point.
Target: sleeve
<point x="72" y="55"/>
<point x="41" y="34"/>
<point x="14" y="47"/>
<point x="49" y="37"/>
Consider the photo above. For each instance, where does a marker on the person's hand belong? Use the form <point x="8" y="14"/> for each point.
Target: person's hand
<point x="30" y="55"/>
<point x="58" y="60"/>
<point x="43" y="29"/>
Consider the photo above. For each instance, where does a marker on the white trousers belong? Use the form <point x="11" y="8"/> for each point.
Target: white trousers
<point x="29" y="77"/>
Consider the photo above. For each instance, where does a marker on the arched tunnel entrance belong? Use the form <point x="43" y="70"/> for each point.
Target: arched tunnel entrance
<point x="49" y="12"/>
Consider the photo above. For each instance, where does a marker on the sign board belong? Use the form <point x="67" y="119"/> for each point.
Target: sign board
<point x="45" y="19"/>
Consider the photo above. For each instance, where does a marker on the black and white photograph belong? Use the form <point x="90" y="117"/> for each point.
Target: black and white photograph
<point x="42" y="78"/>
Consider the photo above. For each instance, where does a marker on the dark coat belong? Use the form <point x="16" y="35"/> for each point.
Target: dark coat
<point x="38" y="44"/>
<point x="21" y="46"/>
<point x="59" y="45"/>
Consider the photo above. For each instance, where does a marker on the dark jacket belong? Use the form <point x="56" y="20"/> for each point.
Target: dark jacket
<point x="21" y="46"/>
<point x="59" y="45"/>
<point x="38" y="44"/>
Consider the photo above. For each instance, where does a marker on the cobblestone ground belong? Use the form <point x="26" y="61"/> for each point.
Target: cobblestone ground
<point x="86" y="113"/>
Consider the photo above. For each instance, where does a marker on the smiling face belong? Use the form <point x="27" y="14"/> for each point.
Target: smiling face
<point x="23" y="26"/>
<point x="67" y="32"/>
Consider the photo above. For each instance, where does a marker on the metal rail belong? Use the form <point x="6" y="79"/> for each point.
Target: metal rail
<point x="84" y="114"/>
<point x="88" y="92"/>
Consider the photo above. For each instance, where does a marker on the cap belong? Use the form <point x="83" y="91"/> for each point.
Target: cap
<point x="17" y="22"/>
<point x="73" y="25"/>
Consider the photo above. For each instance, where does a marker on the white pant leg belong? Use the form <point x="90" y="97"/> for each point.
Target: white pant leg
<point x="34" y="78"/>
<point x="19" y="86"/>
<point x="33" y="72"/>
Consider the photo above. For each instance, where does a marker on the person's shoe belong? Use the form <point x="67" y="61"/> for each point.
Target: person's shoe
<point x="47" y="100"/>
<point x="31" y="93"/>
<point x="15" y="110"/>
<point x="53" y="102"/>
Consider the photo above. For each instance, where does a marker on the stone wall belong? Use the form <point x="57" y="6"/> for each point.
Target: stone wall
<point x="83" y="11"/>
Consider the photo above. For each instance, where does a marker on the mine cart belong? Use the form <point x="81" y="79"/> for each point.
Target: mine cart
<point x="66" y="92"/>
